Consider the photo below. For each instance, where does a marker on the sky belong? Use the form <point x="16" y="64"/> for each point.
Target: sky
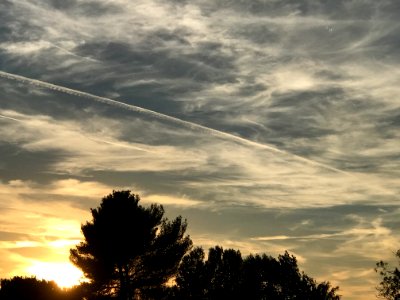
<point x="269" y="125"/>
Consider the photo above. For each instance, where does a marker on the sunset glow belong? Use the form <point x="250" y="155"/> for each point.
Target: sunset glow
<point x="64" y="274"/>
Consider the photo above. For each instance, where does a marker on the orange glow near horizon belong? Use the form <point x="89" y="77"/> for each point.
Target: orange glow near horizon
<point x="64" y="274"/>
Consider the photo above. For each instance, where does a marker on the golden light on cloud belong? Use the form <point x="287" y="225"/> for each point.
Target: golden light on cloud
<point x="64" y="274"/>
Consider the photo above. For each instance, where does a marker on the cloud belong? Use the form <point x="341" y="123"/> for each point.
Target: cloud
<point x="168" y="200"/>
<point x="365" y="234"/>
<point x="222" y="164"/>
<point x="298" y="86"/>
<point x="352" y="243"/>
<point x="24" y="48"/>
<point x="100" y="149"/>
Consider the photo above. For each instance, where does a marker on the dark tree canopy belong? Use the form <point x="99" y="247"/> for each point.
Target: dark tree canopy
<point x="389" y="287"/>
<point x="225" y="275"/>
<point x="30" y="288"/>
<point x="129" y="249"/>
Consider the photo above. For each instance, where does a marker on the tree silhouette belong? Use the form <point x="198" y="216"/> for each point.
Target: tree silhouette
<point x="265" y="277"/>
<point x="225" y="275"/>
<point x="389" y="287"/>
<point x="191" y="279"/>
<point x="129" y="249"/>
<point x="30" y="288"/>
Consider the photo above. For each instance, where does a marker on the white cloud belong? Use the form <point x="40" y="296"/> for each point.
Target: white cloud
<point x="168" y="200"/>
<point x="266" y="177"/>
<point x="25" y="48"/>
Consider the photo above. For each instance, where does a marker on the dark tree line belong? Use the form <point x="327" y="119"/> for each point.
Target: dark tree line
<point x="226" y="275"/>
<point x="134" y="252"/>
<point x="30" y="288"/>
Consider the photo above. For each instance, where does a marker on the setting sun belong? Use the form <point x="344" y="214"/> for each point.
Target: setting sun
<point x="64" y="274"/>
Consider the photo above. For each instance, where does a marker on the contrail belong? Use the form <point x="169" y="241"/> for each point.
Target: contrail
<point x="119" y="144"/>
<point x="162" y="117"/>
<point x="72" y="53"/>
<point x="89" y="138"/>
<point x="10" y="118"/>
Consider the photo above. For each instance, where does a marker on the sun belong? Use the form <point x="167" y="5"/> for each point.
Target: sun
<point x="65" y="275"/>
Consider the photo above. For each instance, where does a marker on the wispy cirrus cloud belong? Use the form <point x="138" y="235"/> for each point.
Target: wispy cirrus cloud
<point x="86" y="147"/>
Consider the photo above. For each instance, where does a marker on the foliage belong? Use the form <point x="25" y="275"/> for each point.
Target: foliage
<point x="129" y="249"/>
<point x="30" y="288"/>
<point x="26" y="288"/>
<point x="191" y="278"/>
<point x="389" y="287"/>
<point x="225" y="275"/>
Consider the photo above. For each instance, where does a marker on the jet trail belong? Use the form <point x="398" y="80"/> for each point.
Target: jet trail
<point x="89" y="138"/>
<point x="10" y="118"/>
<point x="163" y="117"/>
<point x="72" y="53"/>
<point x="119" y="144"/>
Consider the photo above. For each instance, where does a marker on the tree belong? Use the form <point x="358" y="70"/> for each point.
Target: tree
<point x="217" y="278"/>
<point x="31" y="288"/>
<point x="191" y="278"/>
<point x="269" y="278"/>
<point x="225" y="275"/>
<point x="129" y="250"/>
<point x="28" y="288"/>
<point x="389" y="287"/>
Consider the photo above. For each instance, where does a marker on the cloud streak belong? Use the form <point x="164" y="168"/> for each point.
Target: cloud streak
<point x="163" y="117"/>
